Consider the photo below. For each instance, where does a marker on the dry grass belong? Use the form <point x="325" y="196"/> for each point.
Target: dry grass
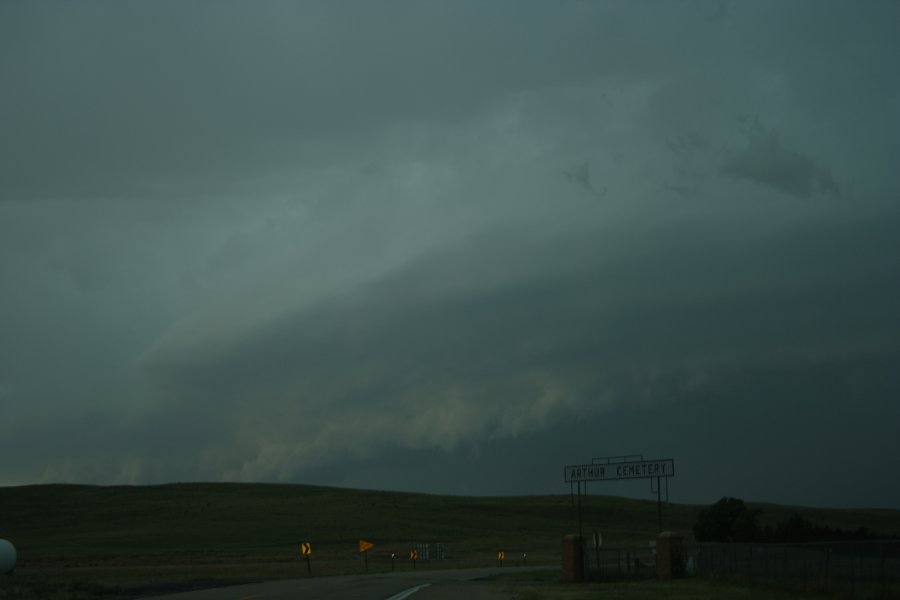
<point x="681" y="589"/>
<point x="93" y="542"/>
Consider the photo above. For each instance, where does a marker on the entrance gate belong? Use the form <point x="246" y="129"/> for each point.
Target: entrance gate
<point x="614" y="468"/>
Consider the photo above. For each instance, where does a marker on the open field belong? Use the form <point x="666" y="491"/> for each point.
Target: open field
<point x="87" y="542"/>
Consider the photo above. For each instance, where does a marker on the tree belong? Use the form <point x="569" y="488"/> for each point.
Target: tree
<point x="728" y="520"/>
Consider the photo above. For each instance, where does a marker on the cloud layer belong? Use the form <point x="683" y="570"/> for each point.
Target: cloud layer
<point x="340" y="244"/>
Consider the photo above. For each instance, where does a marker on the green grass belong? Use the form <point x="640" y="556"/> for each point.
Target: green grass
<point x="680" y="589"/>
<point x="99" y="541"/>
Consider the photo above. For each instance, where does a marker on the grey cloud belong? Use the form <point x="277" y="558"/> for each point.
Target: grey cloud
<point x="766" y="162"/>
<point x="772" y="419"/>
<point x="289" y="242"/>
<point x="425" y="363"/>
<point x="119" y="101"/>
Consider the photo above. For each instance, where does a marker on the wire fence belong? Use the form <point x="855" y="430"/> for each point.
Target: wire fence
<point x="852" y="569"/>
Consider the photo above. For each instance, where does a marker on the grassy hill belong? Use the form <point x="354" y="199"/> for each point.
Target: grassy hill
<point x="121" y="537"/>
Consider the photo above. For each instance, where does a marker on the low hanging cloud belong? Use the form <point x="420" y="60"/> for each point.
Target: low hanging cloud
<point x="766" y="162"/>
<point x="415" y="360"/>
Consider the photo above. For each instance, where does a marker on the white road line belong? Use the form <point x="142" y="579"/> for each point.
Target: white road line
<point x="408" y="593"/>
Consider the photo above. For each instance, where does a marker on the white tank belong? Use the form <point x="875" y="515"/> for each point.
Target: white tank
<point x="7" y="557"/>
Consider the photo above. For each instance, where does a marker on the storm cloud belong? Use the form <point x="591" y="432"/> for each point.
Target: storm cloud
<point x="765" y="162"/>
<point x="366" y="244"/>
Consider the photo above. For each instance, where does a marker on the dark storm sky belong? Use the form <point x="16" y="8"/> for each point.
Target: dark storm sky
<point x="452" y="246"/>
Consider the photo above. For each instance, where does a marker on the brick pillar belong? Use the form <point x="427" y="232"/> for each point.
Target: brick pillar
<point x="572" y="558"/>
<point x="670" y="558"/>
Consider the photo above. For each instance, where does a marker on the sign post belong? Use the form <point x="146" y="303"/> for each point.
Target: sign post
<point x="579" y="509"/>
<point x="413" y="555"/>
<point x="364" y="547"/>
<point x="500" y="556"/>
<point x="659" y="504"/>
<point x="306" y="551"/>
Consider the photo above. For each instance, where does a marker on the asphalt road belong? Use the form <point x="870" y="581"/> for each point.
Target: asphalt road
<point x="419" y="585"/>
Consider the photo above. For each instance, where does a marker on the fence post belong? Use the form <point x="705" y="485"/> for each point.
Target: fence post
<point x="805" y="574"/>
<point x="784" y="571"/>
<point x="749" y="565"/>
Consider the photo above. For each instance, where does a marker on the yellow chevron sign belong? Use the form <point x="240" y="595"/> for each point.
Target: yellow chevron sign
<point x="305" y="548"/>
<point x="365" y="546"/>
<point x="501" y="555"/>
<point x="413" y="554"/>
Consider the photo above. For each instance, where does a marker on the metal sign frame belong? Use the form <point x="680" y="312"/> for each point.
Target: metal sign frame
<point x="642" y="469"/>
<point x="621" y="468"/>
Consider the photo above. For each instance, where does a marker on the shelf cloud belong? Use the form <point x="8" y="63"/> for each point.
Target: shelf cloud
<point x="450" y="247"/>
